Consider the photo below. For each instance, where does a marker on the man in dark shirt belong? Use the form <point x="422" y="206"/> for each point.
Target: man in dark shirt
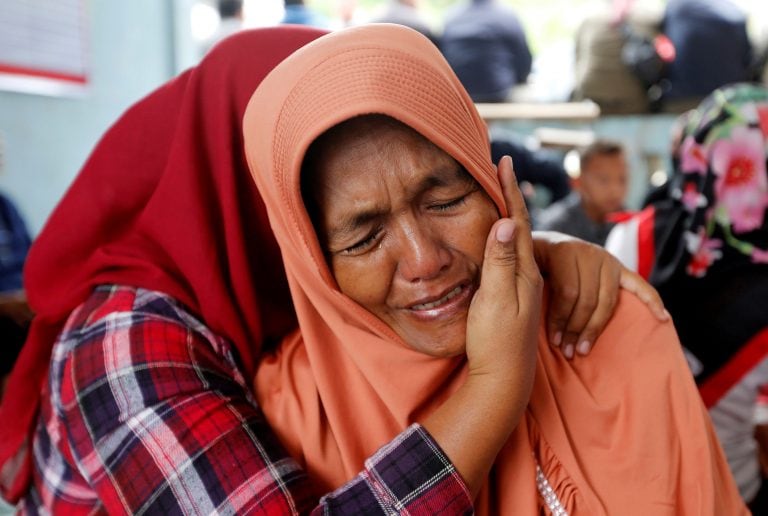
<point x="485" y="44"/>
<point x="537" y="167"/>
<point x="711" y="45"/>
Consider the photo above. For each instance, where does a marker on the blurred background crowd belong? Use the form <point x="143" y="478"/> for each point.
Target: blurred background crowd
<point x="587" y="96"/>
<point x="629" y="59"/>
<point x="592" y="84"/>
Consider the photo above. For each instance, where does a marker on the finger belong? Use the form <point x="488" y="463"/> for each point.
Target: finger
<point x="562" y="300"/>
<point x="517" y="212"/>
<point x="635" y="283"/>
<point x="608" y="297"/>
<point x="506" y="306"/>
<point x="500" y="261"/>
<point x="583" y="308"/>
<point x="503" y="282"/>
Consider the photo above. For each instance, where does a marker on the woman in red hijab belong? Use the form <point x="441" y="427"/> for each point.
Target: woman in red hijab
<point x="157" y="283"/>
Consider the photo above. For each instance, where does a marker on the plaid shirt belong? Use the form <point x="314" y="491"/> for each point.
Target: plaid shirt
<point x="146" y="410"/>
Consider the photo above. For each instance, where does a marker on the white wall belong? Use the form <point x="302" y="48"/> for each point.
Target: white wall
<point x="46" y="139"/>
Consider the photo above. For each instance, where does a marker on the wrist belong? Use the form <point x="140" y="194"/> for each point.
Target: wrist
<point x="505" y="392"/>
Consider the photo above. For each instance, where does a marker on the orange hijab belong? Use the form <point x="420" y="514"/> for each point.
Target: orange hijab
<point x="619" y="432"/>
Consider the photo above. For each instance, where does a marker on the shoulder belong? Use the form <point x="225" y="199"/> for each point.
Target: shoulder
<point x="632" y="342"/>
<point x="635" y="355"/>
<point x="635" y="346"/>
<point x="124" y="338"/>
<point x="110" y="301"/>
<point x="137" y="316"/>
<point x="632" y="405"/>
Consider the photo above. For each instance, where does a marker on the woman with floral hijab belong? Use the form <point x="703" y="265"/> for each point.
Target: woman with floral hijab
<point x="703" y="242"/>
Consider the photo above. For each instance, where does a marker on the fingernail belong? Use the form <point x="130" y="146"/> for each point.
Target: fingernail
<point x="558" y="338"/>
<point x="667" y="315"/>
<point x="584" y="346"/>
<point x="568" y="351"/>
<point x="505" y="231"/>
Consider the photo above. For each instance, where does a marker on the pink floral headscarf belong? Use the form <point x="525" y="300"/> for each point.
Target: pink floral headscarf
<point x="710" y="239"/>
<point x="719" y="188"/>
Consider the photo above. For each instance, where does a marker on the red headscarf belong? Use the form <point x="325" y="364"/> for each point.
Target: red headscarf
<point x="165" y="202"/>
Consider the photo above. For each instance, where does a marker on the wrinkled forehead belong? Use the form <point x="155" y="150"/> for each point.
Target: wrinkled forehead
<point x="370" y="145"/>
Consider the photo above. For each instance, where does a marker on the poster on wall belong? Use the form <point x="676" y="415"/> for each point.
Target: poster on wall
<point x="43" y="47"/>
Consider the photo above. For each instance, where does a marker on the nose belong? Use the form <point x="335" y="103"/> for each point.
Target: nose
<point x="421" y="252"/>
<point x="618" y="193"/>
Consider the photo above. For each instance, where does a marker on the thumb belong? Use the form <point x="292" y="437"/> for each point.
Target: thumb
<point x="500" y="262"/>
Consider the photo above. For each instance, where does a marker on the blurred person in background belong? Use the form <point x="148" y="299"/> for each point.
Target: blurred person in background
<point x="230" y="18"/>
<point x="703" y="242"/>
<point x="486" y="46"/>
<point x="406" y="12"/>
<point x="712" y="49"/>
<point x="15" y="314"/>
<point x="599" y="190"/>
<point x="601" y="73"/>
<point x="535" y="167"/>
<point x="230" y="21"/>
<point x="297" y="12"/>
<point x="346" y="12"/>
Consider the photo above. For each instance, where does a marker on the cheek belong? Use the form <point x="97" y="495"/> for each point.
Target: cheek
<point x="592" y="190"/>
<point x="364" y="281"/>
<point x="471" y="235"/>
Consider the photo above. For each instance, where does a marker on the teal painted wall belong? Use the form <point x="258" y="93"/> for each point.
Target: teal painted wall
<point x="45" y="140"/>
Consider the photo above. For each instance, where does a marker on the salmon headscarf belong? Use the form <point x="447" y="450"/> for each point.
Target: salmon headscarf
<point x="621" y="431"/>
<point x="164" y="202"/>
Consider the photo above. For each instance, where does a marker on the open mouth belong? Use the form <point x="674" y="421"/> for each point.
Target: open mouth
<point x="439" y="302"/>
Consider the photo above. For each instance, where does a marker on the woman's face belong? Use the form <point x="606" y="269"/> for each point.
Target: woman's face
<point x="403" y="227"/>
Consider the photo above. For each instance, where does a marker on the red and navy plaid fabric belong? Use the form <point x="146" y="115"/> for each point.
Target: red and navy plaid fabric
<point x="146" y="410"/>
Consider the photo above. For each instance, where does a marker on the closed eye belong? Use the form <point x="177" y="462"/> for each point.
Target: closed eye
<point x="445" y="206"/>
<point x="364" y="244"/>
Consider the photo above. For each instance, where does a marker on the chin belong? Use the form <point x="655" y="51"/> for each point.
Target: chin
<point x="445" y="340"/>
<point x="441" y="348"/>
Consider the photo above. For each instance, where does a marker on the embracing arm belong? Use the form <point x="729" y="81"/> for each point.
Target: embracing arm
<point x="160" y="419"/>
<point x="584" y="281"/>
<point x="157" y="414"/>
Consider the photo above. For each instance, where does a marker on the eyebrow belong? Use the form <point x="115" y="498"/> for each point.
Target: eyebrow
<point x="351" y="224"/>
<point x="440" y="178"/>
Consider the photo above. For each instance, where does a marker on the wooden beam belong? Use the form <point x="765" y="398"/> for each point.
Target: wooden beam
<point x="586" y="111"/>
